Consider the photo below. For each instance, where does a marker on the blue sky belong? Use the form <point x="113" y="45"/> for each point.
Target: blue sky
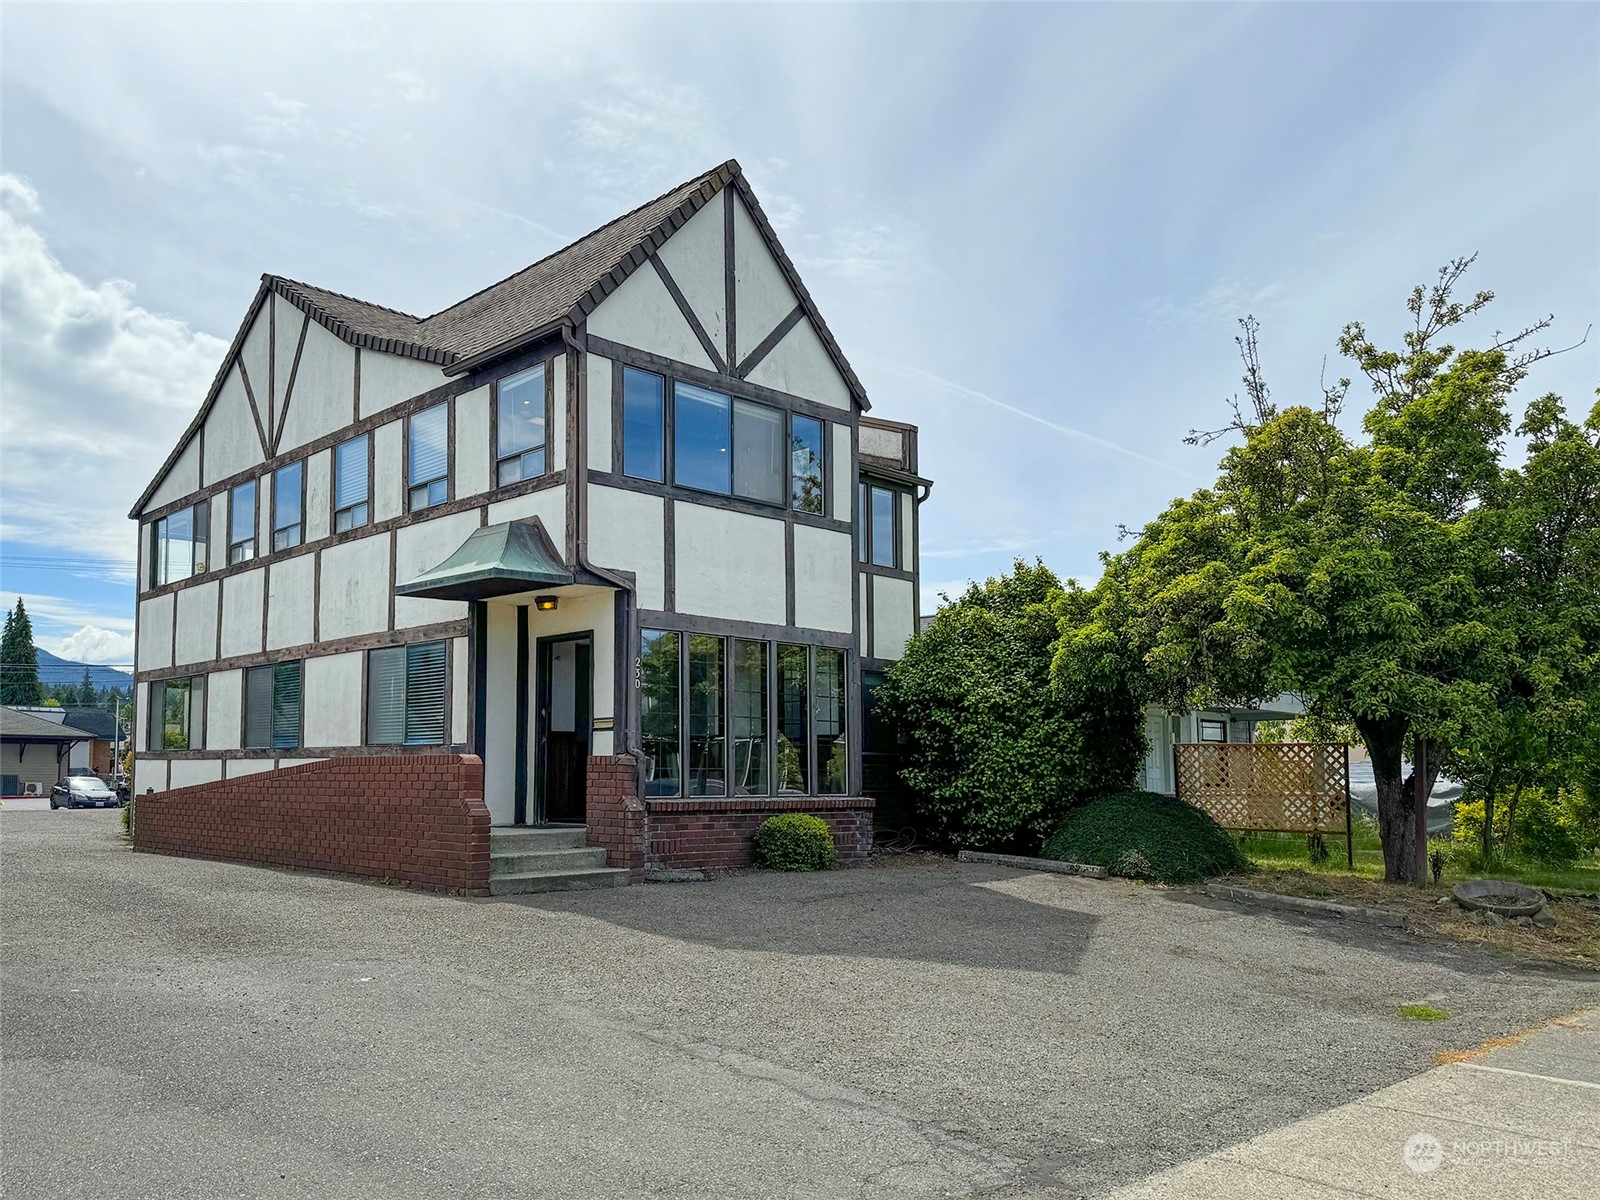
<point x="1031" y="227"/>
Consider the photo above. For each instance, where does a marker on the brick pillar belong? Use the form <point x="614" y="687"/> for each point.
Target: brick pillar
<point x="615" y="814"/>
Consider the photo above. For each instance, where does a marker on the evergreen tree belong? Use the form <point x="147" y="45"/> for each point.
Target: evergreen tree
<point x="19" y="661"/>
<point x="86" y="692"/>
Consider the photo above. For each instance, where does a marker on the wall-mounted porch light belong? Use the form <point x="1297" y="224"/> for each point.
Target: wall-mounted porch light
<point x="546" y="603"/>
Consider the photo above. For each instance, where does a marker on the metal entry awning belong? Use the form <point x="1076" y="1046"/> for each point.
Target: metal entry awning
<point x="497" y="560"/>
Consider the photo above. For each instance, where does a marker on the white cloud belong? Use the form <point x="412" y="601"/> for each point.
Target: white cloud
<point x="413" y="88"/>
<point x="96" y="391"/>
<point x="92" y="644"/>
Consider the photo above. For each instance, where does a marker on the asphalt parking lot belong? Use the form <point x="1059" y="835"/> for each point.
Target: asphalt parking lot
<point x="176" y="1028"/>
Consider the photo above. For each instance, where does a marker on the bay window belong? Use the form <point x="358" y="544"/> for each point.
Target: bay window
<point x="520" y="426"/>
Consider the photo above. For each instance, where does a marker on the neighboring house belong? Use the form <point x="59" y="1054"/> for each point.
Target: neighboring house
<point x="622" y="506"/>
<point x="97" y="754"/>
<point x="35" y="746"/>
<point x="1165" y="729"/>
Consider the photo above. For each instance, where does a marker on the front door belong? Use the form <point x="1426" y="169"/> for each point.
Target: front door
<point x="565" y="711"/>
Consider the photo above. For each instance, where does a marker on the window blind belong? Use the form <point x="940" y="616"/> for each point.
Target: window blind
<point x="350" y="472"/>
<point x="425" y="684"/>
<point x="258" y="707"/>
<point x="386" y="696"/>
<point x="286" y="706"/>
<point x="430" y="445"/>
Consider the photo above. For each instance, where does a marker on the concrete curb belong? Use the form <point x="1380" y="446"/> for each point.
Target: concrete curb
<point x="1024" y="863"/>
<point x="1303" y="904"/>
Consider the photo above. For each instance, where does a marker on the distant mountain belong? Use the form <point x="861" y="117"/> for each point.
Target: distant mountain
<point x="60" y="670"/>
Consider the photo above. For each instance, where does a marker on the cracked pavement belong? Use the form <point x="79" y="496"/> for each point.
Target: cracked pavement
<point x="177" y="1028"/>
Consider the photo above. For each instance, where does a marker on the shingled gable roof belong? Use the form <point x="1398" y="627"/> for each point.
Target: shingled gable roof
<point x="562" y="288"/>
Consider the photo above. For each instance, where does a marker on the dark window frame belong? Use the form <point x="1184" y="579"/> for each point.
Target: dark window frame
<point x="253" y="542"/>
<point x="299" y="526"/>
<point x="866" y="553"/>
<point x="300" y="701"/>
<point x="496" y="461"/>
<point x="199" y="535"/>
<point x="156" y="715"/>
<point x="448" y="478"/>
<point x="446" y="716"/>
<point x="333" y="487"/>
<point x="1211" y="723"/>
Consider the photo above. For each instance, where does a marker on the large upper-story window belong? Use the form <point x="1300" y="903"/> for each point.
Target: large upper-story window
<point x="876" y="526"/>
<point x="428" y="460"/>
<point x="242" y="522"/>
<point x="288" y="502"/>
<point x="352" y="485"/>
<point x="176" y="717"/>
<point x="178" y="544"/>
<point x="272" y="706"/>
<point x="520" y="426"/>
<point x="642" y="423"/>
<point x="406" y="695"/>
<point x="805" y="464"/>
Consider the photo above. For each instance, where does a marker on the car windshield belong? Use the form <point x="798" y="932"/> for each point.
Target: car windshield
<point x="91" y="787"/>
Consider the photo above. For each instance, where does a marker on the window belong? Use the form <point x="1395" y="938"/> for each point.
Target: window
<point x="242" y="522"/>
<point x="428" y="461"/>
<point x="863" y="501"/>
<point x="881" y="527"/>
<point x="287" y="502"/>
<point x="177" y="714"/>
<point x="641" y="424"/>
<point x="805" y="464"/>
<point x="707" y="747"/>
<point x="351" y="484"/>
<point x="749" y="732"/>
<point x="708" y="725"/>
<point x="758" y="467"/>
<point x="1213" y="731"/>
<point x="406" y="695"/>
<point x="178" y="544"/>
<point x="272" y="706"/>
<point x="701" y="433"/>
<point x="519" y="426"/>
<point x="792" y="774"/>
<point x="658" y="711"/>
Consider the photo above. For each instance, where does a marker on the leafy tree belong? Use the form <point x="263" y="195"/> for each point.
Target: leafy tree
<point x="1367" y="578"/>
<point x="995" y="753"/>
<point x="19" y="661"/>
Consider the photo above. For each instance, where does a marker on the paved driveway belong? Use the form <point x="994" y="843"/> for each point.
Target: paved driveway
<point x="177" y="1028"/>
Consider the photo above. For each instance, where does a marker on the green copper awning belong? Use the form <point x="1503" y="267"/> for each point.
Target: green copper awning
<point x="497" y="560"/>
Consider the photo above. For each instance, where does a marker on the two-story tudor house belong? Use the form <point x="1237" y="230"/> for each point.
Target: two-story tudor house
<point x="616" y="524"/>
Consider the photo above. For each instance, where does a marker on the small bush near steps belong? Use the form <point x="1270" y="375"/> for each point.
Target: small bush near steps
<point x="1143" y="835"/>
<point x="795" y="842"/>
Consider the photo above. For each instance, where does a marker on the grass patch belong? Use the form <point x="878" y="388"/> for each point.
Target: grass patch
<point x="1423" y="1012"/>
<point x="1143" y="835"/>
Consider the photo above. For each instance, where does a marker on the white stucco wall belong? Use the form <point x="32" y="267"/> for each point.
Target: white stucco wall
<point x="641" y="313"/>
<point x="331" y="699"/>
<point x="460" y="662"/>
<point x="694" y="257"/>
<point x="844" y="482"/>
<point x="548" y="504"/>
<point x="625" y="532"/>
<point x="800" y="366"/>
<point x="242" y="598"/>
<point x="236" y="767"/>
<point x="500" y="716"/>
<point x="908" y="537"/>
<point x="256" y="355"/>
<point x="865" y="639"/>
<point x="762" y="296"/>
<point x="355" y="588"/>
<point x="291" y="602"/>
<point x="155" y="632"/>
<point x="419" y="548"/>
<point x="197" y="623"/>
<point x="474" y="454"/>
<point x="287" y="320"/>
<point x="183" y="479"/>
<point x="729" y="564"/>
<point x="388" y="471"/>
<point x="319" y="495"/>
<point x="387" y="379"/>
<point x="219" y="532"/>
<point x="822" y="571"/>
<point x="232" y="442"/>
<point x="224" y="709"/>
<point x="556" y="435"/>
<point x="149" y="774"/>
<point x="881" y="442"/>
<point x="187" y="772"/>
<point x="324" y="396"/>
<point x="598" y="398"/>
<point x="894" y="616"/>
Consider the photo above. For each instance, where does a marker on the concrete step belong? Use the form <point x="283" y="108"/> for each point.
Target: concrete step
<point x="501" y="863"/>
<point x="524" y="882"/>
<point x="516" y="839"/>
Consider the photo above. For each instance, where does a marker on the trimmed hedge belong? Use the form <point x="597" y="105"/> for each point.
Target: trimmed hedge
<point x="1144" y="835"/>
<point x="795" y="842"/>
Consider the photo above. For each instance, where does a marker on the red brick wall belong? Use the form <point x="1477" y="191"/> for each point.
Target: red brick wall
<point x="614" y="815"/>
<point x="718" y="833"/>
<point x="416" y="818"/>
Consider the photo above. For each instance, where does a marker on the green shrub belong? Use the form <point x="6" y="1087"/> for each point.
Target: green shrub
<point x="1142" y="835"/>
<point x="994" y="751"/>
<point x="795" y="842"/>
<point x="127" y="817"/>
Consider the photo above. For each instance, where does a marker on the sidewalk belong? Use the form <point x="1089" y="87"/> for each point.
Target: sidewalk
<point x="1520" y="1119"/>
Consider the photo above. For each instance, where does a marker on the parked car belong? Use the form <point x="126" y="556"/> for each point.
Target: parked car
<point x="83" y="791"/>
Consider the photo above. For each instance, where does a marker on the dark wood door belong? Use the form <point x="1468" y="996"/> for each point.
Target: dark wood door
<point x="566" y="687"/>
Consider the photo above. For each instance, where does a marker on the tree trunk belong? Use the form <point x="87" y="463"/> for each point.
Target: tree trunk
<point x="1511" y="814"/>
<point x="1397" y="815"/>
<point x="1488" y="813"/>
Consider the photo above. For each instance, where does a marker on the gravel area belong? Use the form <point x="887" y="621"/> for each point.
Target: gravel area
<point x="176" y="1028"/>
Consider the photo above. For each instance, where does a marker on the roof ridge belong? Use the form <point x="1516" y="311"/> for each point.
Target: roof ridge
<point x="731" y="165"/>
<point x="298" y="283"/>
